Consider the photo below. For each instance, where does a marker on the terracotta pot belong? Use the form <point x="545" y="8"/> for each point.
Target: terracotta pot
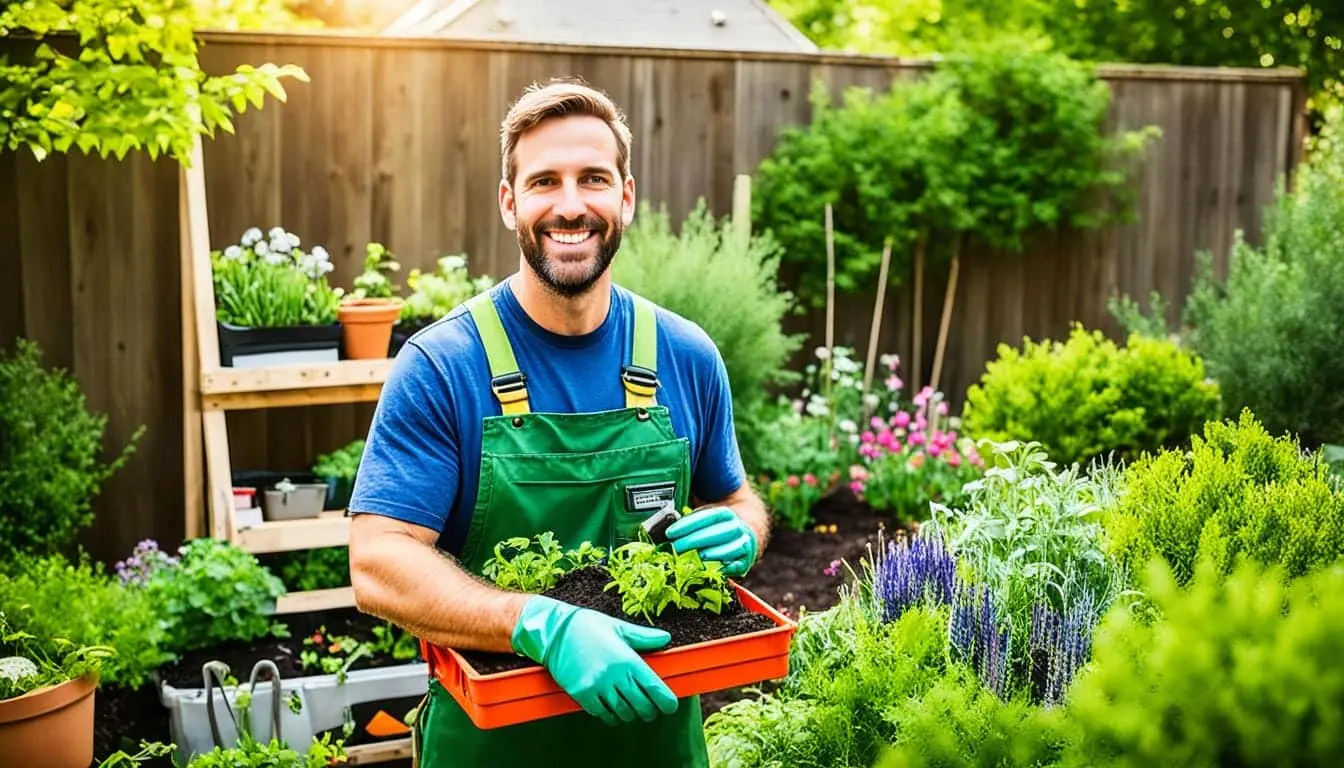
<point x="366" y="327"/>
<point x="51" y="727"/>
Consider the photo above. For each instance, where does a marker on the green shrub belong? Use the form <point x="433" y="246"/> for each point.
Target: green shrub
<point x="50" y="446"/>
<point x="1239" y="492"/>
<point x="1243" y="671"/>
<point x="78" y="600"/>
<point x="1271" y="333"/>
<point x="726" y="286"/>
<point x="215" y="593"/>
<point x="1086" y="397"/>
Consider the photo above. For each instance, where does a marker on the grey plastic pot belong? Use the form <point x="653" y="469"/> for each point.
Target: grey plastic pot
<point x="304" y="500"/>
<point x="323" y="702"/>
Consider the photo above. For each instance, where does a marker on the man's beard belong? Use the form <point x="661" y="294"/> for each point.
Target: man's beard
<point x="532" y="240"/>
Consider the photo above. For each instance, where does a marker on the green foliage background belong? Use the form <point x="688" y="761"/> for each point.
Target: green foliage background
<point x="1086" y="397"/>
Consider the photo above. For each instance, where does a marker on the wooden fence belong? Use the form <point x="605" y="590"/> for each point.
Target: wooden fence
<point x="397" y="142"/>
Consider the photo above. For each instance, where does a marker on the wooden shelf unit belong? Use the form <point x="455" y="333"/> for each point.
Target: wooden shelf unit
<point x="211" y="390"/>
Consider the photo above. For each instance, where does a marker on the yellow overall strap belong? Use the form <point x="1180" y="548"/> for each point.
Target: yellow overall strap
<point x="508" y="383"/>
<point x="640" y="377"/>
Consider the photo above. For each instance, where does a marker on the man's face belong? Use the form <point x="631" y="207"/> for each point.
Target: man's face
<point x="567" y="202"/>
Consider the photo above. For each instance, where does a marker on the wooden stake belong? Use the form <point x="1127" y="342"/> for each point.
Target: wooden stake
<point x="949" y="298"/>
<point x="742" y="209"/>
<point x="876" y="326"/>
<point x="916" y="369"/>
<point x="830" y="279"/>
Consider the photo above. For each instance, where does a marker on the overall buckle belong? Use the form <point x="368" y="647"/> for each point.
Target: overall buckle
<point x="638" y="376"/>
<point x="510" y="387"/>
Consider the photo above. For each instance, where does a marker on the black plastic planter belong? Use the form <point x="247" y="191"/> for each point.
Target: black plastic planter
<point x="404" y="330"/>
<point x="244" y="347"/>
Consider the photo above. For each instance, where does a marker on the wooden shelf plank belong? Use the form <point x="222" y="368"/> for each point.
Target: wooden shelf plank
<point x="330" y="529"/>
<point x="369" y="754"/>
<point x="315" y="600"/>
<point x="346" y="381"/>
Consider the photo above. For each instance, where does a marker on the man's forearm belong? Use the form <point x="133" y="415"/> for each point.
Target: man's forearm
<point x="753" y="512"/>
<point x="401" y="579"/>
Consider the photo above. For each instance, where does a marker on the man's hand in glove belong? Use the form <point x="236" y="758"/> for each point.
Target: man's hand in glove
<point x="720" y="535"/>
<point x="593" y="658"/>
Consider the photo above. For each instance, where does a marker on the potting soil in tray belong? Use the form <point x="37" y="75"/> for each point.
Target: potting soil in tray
<point x="242" y="656"/>
<point x="584" y="588"/>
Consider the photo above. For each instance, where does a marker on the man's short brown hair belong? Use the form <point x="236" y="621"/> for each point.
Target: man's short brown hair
<point x="561" y="98"/>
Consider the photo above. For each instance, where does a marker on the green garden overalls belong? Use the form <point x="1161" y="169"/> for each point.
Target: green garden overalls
<point x="586" y="477"/>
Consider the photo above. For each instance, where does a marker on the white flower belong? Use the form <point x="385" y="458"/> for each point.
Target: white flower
<point x="848" y="425"/>
<point x="450" y="263"/>
<point x="846" y="365"/>
<point x="823" y="353"/>
<point x="281" y="245"/>
<point x="817" y="408"/>
<point x="278" y="233"/>
<point x="251" y="237"/>
<point x="261" y="248"/>
<point x="870" y="400"/>
<point x="293" y="240"/>
<point x="846" y="381"/>
<point x="276" y="258"/>
<point x="233" y="253"/>
<point x="320" y="254"/>
<point x="889" y="361"/>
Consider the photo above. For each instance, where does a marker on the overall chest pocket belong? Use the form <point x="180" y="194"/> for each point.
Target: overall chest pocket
<point x="598" y="496"/>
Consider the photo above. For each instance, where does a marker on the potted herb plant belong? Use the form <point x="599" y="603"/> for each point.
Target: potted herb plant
<point x="338" y="469"/>
<point x="273" y="303"/>
<point x="368" y="313"/>
<point x="723" y="636"/>
<point x="434" y="295"/>
<point x="46" y="700"/>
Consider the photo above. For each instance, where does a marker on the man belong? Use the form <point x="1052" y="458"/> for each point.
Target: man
<point x="559" y="402"/>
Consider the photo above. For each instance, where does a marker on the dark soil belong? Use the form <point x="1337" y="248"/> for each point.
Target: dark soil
<point x="584" y="588"/>
<point x="122" y="718"/>
<point x="241" y="656"/>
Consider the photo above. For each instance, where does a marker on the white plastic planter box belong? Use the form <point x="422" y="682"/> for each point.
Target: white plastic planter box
<point x="323" y="699"/>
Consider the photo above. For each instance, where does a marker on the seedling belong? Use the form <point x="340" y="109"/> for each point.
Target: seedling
<point x="650" y="579"/>
<point x="516" y="566"/>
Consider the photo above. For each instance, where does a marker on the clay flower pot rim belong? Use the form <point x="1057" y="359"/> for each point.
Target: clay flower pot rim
<point x="47" y="699"/>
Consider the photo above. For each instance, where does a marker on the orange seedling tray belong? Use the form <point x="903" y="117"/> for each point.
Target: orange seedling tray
<point x="522" y="695"/>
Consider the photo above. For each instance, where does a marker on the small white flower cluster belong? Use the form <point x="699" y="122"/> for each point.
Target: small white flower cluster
<point x="280" y="247"/>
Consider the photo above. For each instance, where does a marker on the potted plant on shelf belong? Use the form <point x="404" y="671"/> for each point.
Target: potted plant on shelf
<point x="338" y="470"/>
<point x="434" y="295"/>
<point x="273" y="303"/>
<point x="46" y="700"/>
<point x="294" y="501"/>
<point x="368" y="313"/>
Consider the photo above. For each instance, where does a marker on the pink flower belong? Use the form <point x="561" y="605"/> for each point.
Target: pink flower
<point x="832" y="569"/>
<point x="810" y="479"/>
<point x="886" y="439"/>
<point x="798" y="406"/>
<point x="867" y="437"/>
<point x="922" y="399"/>
<point x="894" y="383"/>
<point x="793" y="481"/>
<point x="869" y="451"/>
<point x="941" y="408"/>
<point x="877" y="423"/>
<point x="953" y="459"/>
<point x="901" y="419"/>
<point x="857" y="487"/>
<point x="857" y="472"/>
<point x="935" y="448"/>
<point x="917" y="438"/>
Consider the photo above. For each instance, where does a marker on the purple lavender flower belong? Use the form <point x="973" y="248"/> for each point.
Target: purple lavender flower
<point x="1060" y="646"/>
<point x="978" y="637"/>
<point x="911" y="572"/>
<point x="145" y="561"/>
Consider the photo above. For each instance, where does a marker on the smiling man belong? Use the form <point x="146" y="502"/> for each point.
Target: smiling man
<point x="560" y="402"/>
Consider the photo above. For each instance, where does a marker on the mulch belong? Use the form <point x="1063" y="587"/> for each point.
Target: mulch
<point x="791" y="576"/>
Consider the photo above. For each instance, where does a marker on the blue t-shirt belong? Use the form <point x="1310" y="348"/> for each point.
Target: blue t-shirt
<point x="423" y="452"/>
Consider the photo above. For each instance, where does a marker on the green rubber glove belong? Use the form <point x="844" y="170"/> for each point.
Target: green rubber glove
<point x="720" y="535"/>
<point x="593" y="658"/>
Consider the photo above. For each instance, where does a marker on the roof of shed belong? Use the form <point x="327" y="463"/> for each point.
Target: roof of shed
<point x="736" y="25"/>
